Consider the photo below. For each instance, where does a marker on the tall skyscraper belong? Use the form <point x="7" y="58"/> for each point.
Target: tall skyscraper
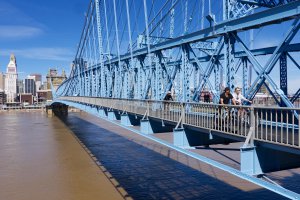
<point x="11" y="77"/>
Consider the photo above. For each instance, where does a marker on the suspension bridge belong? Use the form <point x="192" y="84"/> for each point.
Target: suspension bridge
<point x="132" y="53"/>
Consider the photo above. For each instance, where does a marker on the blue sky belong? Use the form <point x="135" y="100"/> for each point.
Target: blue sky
<point x="42" y="34"/>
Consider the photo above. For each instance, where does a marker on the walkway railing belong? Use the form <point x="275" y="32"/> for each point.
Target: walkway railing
<point x="273" y="125"/>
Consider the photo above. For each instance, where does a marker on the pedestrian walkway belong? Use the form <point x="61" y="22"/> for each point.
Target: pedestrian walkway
<point x="148" y="170"/>
<point x="41" y="160"/>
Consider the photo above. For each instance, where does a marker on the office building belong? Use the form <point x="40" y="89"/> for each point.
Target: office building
<point x="38" y="80"/>
<point x="20" y="86"/>
<point x="11" y="78"/>
<point x="2" y="97"/>
<point x="29" y="86"/>
<point x="55" y="78"/>
<point x="26" y="99"/>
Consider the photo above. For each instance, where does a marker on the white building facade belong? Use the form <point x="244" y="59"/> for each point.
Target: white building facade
<point x="11" y="78"/>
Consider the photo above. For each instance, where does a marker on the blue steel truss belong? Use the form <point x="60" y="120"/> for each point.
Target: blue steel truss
<point x="140" y="50"/>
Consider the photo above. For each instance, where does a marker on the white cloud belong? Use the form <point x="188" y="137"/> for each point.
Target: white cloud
<point x="16" y="32"/>
<point x="40" y="53"/>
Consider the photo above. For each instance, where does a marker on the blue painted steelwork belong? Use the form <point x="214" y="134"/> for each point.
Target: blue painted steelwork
<point x="125" y="120"/>
<point x="283" y="75"/>
<point x="296" y="96"/>
<point x="168" y="54"/>
<point x="146" y="127"/>
<point x="135" y="75"/>
<point x="245" y="75"/>
<point x="266" y="3"/>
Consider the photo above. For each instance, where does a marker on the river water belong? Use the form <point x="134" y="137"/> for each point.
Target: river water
<point x="41" y="160"/>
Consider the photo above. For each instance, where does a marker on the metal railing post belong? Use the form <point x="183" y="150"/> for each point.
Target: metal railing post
<point x="250" y="137"/>
<point x="183" y="107"/>
<point x="252" y="125"/>
<point x="148" y="108"/>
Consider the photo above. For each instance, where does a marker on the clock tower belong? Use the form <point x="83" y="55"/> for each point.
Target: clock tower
<point x="11" y="78"/>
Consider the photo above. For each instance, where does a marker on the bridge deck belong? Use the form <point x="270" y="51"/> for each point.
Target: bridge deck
<point x="204" y="119"/>
<point x="148" y="170"/>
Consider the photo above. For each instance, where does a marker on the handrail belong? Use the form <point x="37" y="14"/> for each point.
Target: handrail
<point x="271" y="124"/>
<point x="193" y="103"/>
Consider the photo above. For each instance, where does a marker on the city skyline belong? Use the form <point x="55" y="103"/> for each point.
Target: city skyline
<point x="41" y="35"/>
<point x="15" y="91"/>
<point x="29" y="74"/>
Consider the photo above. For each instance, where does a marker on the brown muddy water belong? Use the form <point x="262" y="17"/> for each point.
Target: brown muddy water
<point x="40" y="159"/>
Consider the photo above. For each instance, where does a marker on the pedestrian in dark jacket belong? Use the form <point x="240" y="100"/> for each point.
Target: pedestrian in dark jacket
<point x="167" y="98"/>
<point x="206" y="97"/>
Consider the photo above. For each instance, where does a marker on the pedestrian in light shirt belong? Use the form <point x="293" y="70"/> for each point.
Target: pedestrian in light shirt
<point x="238" y="97"/>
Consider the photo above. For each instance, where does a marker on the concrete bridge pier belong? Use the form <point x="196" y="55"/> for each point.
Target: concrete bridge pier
<point x="49" y="111"/>
<point x="59" y="109"/>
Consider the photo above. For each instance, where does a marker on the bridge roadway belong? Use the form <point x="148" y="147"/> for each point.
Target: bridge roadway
<point x="149" y="170"/>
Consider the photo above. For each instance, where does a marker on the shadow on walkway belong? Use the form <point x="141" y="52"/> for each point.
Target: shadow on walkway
<point x="146" y="174"/>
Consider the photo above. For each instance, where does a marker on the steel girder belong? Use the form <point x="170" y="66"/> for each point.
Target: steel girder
<point x="266" y="3"/>
<point x="119" y="81"/>
<point x="264" y="18"/>
<point x="229" y="61"/>
<point x="245" y="75"/>
<point x="283" y="75"/>
<point x="185" y="73"/>
<point x="209" y="69"/>
<point x="264" y="71"/>
<point x="158" y="77"/>
<point x="296" y="96"/>
<point x="201" y="71"/>
<point x="102" y="84"/>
